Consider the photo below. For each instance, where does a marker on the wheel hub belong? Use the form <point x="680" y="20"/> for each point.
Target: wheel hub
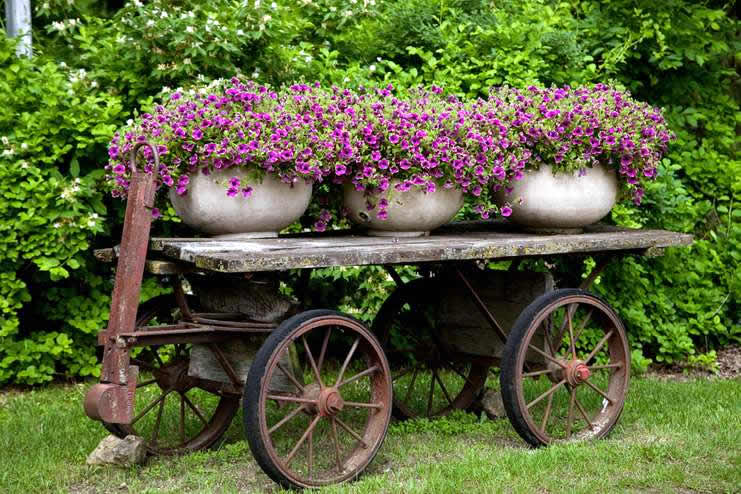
<point x="576" y="372"/>
<point x="175" y="377"/>
<point x="330" y="402"/>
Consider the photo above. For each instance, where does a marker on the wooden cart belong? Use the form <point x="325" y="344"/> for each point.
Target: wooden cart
<point x="317" y="386"/>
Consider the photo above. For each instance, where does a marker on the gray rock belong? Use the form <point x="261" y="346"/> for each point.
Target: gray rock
<point x="113" y="450"/>
<point x="491" y="403"/>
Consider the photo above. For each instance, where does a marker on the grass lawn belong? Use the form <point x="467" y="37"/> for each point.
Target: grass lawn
<point x="674" y="436"/>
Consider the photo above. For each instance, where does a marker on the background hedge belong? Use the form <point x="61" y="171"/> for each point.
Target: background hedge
<point x="96" y="63"/>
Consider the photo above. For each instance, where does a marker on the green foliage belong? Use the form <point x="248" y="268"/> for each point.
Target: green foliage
<point x="95" y="64"/>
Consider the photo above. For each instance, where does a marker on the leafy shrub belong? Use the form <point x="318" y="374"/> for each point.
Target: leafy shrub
<point x="56" y="119"/>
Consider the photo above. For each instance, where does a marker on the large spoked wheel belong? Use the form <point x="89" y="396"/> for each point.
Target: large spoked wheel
<point x="172" y="413"/>
<point x="317" y="400"/>
<point x="566" y="369"/>
<point x="429" y="379"/>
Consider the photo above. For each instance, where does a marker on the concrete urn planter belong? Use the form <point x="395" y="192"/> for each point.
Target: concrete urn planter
<point x="542" y="201"/>
<point x="413" y="213"/>
<point x="272" y="206"/>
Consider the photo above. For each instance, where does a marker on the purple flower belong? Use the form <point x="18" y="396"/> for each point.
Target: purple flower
<point x="197" y="134"/>
<point x="506" y="211"/>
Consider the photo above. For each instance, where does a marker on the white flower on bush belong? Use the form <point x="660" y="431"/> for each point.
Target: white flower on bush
<point x="372" y="68"/>
<point x="92" y="220"/>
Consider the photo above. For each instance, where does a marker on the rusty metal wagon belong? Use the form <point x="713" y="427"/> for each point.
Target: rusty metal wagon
<point x="316" y="386"/>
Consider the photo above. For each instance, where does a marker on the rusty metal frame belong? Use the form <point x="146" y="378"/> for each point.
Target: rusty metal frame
<point x="112" y="399"/>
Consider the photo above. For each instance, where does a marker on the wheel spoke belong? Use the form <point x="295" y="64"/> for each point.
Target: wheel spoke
<point x="150" y="406"/>
<point x="411" y="385"/>
<point x="286" y="419"/>
<point x="583" y="324"/>
<point x="144" y="364"/>
<point x="538" y="350"/>
<point x="305" y="435"/>
<point x="606" y="366"/>
<point x="460" y="373"/>
<point x="363" y="405"/>
<point x="336" y="444"/>
<point x="351" y="432"/>
<point x="157" y="357"/>
<point x="547" y="325"/>
<point x="158" y="420"/>
<point x="292" y="399"/>
<point x="429" y="398"/>
<point x="604" y="395"/>
<point x="311" y="452"/>
<point x="572" y="343"/>
<point x="547" y="393"/>
<point x="312" y="362"/>
<point x="323" y="351"/>
<point x="290" y="377"/>
<point x="182" y="420"/>
<point x="538" y="373"/>
<point x="403" y="373"/>
<point x="547" y="413"/>
<point x="442" y="387"/>
<point x="599" y="345"/>
<point x="583" y="413"/>
<point x="347" y="360"/>
<point x="357" y="376"/>
<point x="145" y="383"/>
<point x="570" y="416"/>
<point x="195" y="409"/>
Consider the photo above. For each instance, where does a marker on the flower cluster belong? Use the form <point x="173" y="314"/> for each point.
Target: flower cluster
<point x="223" y="125"/>
<point x="423" y="141"/>
<point x="574" y="128"/>
<point x="382" y="143"/>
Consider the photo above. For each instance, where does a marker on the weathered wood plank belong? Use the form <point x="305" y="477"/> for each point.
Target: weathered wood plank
<point x="314" y="252"/>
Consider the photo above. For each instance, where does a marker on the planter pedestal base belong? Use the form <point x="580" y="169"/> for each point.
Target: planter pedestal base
<point x="552" y="231"/>
<point x="245" y="236"/>
<point x="389" y="233"/>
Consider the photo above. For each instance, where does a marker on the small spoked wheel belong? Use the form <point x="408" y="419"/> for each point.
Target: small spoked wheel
<point x="317" y="400"/>
<point x="566" y="368"/>
<point x="429" y="378"/>
<point x="172" y="411"/>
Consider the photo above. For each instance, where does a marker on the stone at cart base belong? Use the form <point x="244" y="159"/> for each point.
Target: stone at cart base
<point x="113" y="450"/>
<point x="492" y="404"/>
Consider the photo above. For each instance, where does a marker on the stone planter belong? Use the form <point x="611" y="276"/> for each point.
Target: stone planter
<point x="543" y="201"/>
<point x="410" y="214"/>
<point x="272" y="206"/>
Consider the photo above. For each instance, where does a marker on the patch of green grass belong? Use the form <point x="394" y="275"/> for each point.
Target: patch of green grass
<point x="673" y="436"/>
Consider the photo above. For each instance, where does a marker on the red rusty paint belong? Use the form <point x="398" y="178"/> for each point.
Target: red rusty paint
<point x="103" y="401"/>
